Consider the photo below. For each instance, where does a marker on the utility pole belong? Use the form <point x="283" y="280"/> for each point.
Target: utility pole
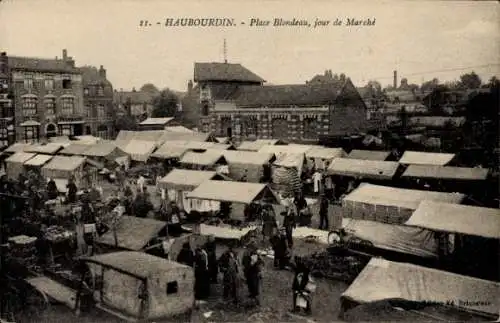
<point x="225" y="51"/>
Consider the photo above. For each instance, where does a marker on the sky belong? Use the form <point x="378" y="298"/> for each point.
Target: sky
<point x="419" y="39"/>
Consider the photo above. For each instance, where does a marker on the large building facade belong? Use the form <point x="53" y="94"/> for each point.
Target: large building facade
<point x="48" y="97"/>
<point x="233" y="102"/>
<point x="7" y="135"/>
<point x="98" y="102"/>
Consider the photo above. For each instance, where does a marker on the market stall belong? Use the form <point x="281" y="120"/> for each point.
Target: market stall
<point x="61" y="168"/>
<point x="363" y="169"/>
<point x="74" y="149"/>
<point x="252" y="165"/>
<point x="48" y="149"/>
<point x="203" y="161"/>
<point x="139" y="150"/>
<point x="389" y="204"/>
<point x="369" y="155"/>
<point x="15" y="164"/>
<point x="235" y="193"/>
<point x="104" y="151"/>
<point x="166" y="287"/>
<point x="258" y="144"/>
<point x="179" y="182"/>
<point x="402" y="282"/>
<point x="425" y="158"/>
<point x="36" y="163"/>
<point x="323" y="156"/>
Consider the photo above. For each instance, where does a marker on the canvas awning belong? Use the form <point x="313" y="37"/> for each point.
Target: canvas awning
<point x="398" y="238"/>
<point x="88" y="139"/>
<point x="369" y="154"/>
<point x="20" y="157"/>
<point x="446" y="172"/>
<point x="50" y="148"/>
<point x="101" y="149"/>
<point x="132" y="233"/>
<point x="204" y="159"/>
<point x="133" y="263"/>
<point x="30" y="123"/>
<point x="74" y="149"/>
<point x="398" y="197"/>
<point x="456" y="218"/>
<point x="247" y="157"/>
<point x="325" y="153"/>
<point x="178" y="129"/>
<point x="17" y="147"/>
<point x="140" y="150"/>
<point x="61" y="184"/>
<point x="185" y="179"/>
<point x="167" y="151"/>
<point x="386" y="280"/>
<point x="237" y="192"/>
<point x="65" y="163"/>
<point x="38" y="160"/>
<point x="363" y="168"/>
<point x="285" y="149"/>
<point x="295" y="161"/>
<point x="251" y="145"/>
<point x="423" y="158"/>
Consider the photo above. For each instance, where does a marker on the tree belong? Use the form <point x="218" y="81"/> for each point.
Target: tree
<point x="165" y="104"/>
<point x="429" y="85"/>
<point x="150" y="88"/>
<point x="125" y="122"/>
<point x="375" y="86"/>
<point x="494" y="83"/>
<point x="470" y="81"/>
<point x="437" y="99"/>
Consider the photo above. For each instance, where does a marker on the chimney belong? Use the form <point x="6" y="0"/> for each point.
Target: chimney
<point x="102" y="72"/>
<point x="65" y="55"/>
<point x="395" y="82"/>
<point x="133" y="89"/>
<point x="190" y="86"/>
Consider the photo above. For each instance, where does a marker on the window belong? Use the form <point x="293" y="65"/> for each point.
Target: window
<point x="310" y="128"/>
<point x="49" y="84"/>
<point x="172" y="288"/>
<point x="31" y="134"/>
<point x="67" y="106"/>
<point x="66" y="83"/>
<point x="29" y="107"/>
<point x="100" y="91"/>
<point x="50" y="106"/>
<point x="101" y="112"/>
<point x="66" y="130"/>
<point x="250" y="127"/>
<point x="28" y="81"/>
<point x="4" y="136"/>
<point x="279" y="129"/>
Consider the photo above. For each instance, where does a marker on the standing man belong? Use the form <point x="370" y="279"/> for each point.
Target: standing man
<point x="141" y="181"/>
<point x="202" y="279"/>
<point x="213" y="268"/>
<point x="323" y="213"/>
<point x="289" y="224"/>
<point x="252" y="266"/>
<point x="230" y="270"/>
<point x="72" y="189"/>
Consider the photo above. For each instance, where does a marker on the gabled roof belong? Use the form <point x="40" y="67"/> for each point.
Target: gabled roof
<point x="40" y="64"/>
<point x="65" y="163"/>
<point x="20" y="157"/>
<point x="224" y="72"/>
<point x="325" y="152"/>
<point x="445" y="172"/>
<point x="237" y="192"/>
<point x="185" y="179"/>
<point x="288" y="95"/>
<point x="38" y="160"/>
<point x="91" y="76"/>
<point x="139" y="150"/>
<point x="100" y="149"/>
<point x="50" y="148"/>
<point x="369" y="154"/>
<point x="167" y="150"/>
<point x="247" y="157"/>
<point x="363" y="168"/>
<point x="456" y="218"/>
<point x="132" y="233"/>
<point x="207" y="158"/>
<point x="136" y="97"/>
<point x="387" y="280"/>
<point x="424" y="158"/>
<point x="75" y="149"/>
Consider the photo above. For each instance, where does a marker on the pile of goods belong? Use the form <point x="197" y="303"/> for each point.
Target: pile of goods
<point x="22" y="250"/>
<point x="57" y="233"/>
<point x="327" y="265"/>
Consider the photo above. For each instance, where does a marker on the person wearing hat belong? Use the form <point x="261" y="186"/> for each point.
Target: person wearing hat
<point x="52" y="191"/>
<point x="323" y="212"/>
<point x="281" y="250"/>
<point x="252" y="267"/>
<point x="228" y="264"/>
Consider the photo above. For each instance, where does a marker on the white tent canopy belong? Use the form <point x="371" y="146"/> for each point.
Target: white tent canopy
<point x="237" y="192"/>
<point x="455" y="218"/>
<point x="363" y="168"/>
<point x="445" y="172"/>
<point x="386" y="280"/>
<point x="423" y="158"/>
<point x="185" y="179"/>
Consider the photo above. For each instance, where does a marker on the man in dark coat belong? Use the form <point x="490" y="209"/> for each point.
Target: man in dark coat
<point x="289" y="223"/>
<point x="72" y="190"/>
<point x="201" y="277"/>
<point x="211" y="249"/>
<point x="252" y="267"/>
<point x="52" y="191"/>
<point x="228" y="264"/>
<point x="186" y="255"/>
<point x="323" y="213"/>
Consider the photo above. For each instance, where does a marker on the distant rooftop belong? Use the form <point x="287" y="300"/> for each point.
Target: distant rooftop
<point x="41" y="64"/>
<point x="224" y="72"/>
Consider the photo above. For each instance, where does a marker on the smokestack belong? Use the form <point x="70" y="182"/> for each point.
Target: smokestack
<point x="65" y="54"/>
<point x="395" y="83"/>
<point x="102" y="72"/>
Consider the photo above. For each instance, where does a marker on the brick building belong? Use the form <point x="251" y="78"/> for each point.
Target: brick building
<point x="233" y="102"/>
<point x="139" y="103"/>
<point x="98" y="100"/>
<point x="48" y="97"/>
<point x="7" y="135"/>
